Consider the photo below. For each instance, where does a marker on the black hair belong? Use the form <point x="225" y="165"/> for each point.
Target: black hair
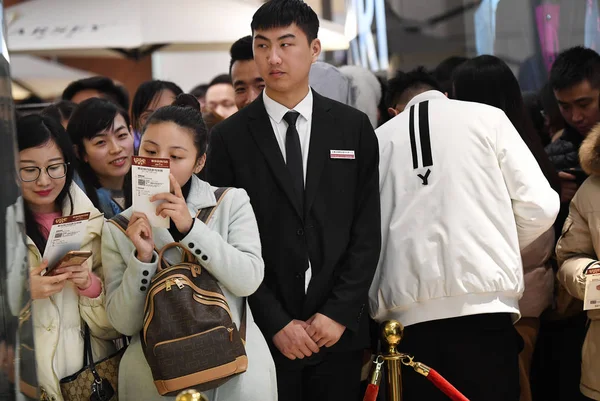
<point x="37" y="130"/>
<point x="145" y="95"/>
<point x="443" y="72"/>
<point x="283" y="13"/>
<point x="199" y="91"/>
<point x="60" y="110"/>
<point x="489" y="80"/>
<point x="90" y="118"/>
<point x="556" y="121"/>
<point x="241" y="50"/>
<point x="220" y="79"/>
<point x="384" y="116"/>
<point x="573" y="66"/>
<point x="534" y="109"/>
<point x="182" y="113"/>
<point x="187" y="100"/>
<point x="115" y="93"/>
<point x="417" y="79"/>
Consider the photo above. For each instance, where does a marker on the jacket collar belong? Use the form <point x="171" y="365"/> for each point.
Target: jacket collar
<point x="422" y="97"/>
<point x="277" y="111"/>
<point x="201" y="196"/>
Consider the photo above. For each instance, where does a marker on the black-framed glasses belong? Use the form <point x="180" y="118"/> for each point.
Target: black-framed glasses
<point x="54" y="171"/>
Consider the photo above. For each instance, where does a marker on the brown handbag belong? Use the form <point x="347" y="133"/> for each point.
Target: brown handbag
<point x="189" y="338"/>
<point x="96" y="381"/>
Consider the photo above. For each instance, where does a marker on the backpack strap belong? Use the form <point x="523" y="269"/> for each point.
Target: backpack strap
<point x="204" y="216"/>
<point x="121" y="222"/>
<point x="243" y="322"/>
<point x="206" y="213"/>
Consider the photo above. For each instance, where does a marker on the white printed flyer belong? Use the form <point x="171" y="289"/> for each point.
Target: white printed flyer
<point x="150" y="176"/>
<point x="66" y="235"/>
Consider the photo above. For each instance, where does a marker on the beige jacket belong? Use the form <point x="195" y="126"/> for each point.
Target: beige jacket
<point x="577" y="249"/>
<point x="57" y="320"/>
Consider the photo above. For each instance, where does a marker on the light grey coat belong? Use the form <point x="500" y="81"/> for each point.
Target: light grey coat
<point x="231" y="251"/>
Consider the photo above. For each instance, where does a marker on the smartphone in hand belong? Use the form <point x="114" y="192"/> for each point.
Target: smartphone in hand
<point x="72" y="258"/>
<point x="578" y="173"/>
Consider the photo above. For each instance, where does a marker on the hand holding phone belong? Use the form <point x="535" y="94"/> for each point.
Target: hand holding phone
<point x="579" y="174"/>
<point x="44" y="286"/>
<point x="72" y="258"/>
<point x="73" y="263"/>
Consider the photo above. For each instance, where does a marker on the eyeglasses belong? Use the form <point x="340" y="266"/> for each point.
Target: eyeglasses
<point x="54" y="171"/>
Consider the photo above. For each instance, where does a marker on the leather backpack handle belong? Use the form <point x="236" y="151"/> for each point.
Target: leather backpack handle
<point x="187" y="255"/>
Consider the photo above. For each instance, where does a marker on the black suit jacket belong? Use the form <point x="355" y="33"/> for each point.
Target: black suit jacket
<point x="339" y="229"/>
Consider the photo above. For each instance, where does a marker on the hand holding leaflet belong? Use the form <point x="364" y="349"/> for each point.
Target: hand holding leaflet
<point x="174" y="207"/>
<point x="150" y="177"/>
<point x="65" y="236"/>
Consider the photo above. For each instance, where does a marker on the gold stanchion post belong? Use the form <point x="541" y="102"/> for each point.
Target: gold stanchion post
<point x="191" y="395"/>
<point x="392" y="332"/>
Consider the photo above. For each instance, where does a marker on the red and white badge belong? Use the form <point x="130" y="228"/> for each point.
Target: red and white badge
<point x="342" y="154"/>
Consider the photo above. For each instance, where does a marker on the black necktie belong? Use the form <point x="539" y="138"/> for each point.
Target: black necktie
<point x="294" y="156"/>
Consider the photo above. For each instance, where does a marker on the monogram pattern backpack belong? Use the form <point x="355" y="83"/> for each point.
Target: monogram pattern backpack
<point x="189" y="338"/>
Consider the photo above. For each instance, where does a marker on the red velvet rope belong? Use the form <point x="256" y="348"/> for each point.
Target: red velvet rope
<point x="371" y="393"/>
<point x="445" y="386"/>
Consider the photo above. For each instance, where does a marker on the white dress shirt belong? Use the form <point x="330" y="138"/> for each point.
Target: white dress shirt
<point x="276" y="111"/>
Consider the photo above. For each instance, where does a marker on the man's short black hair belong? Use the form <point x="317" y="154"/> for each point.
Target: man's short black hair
<point x="199" y="91"/>
<point x="241" y="50"/>
<point x="111" y="91"/>
<point x="417" y="79"/>
<point x="283" y="13"/>
<point x="220" y="79"/>
<point x="573" y="66"/>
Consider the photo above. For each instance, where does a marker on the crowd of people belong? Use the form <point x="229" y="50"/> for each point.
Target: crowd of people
<point x="447" y="200"/>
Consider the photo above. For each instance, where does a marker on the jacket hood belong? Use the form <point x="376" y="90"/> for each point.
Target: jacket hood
<point x="589" y="152"/>
<point x="365" y="90"/>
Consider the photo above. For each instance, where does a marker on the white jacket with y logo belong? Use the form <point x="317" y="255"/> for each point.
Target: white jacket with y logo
<point x="461" y="194"/>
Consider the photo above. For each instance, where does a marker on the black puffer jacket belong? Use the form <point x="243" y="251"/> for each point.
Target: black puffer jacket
<point x="564" y="152"/>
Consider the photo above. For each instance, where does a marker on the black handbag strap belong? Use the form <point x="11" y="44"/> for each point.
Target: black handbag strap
<point x="88" y="356"/>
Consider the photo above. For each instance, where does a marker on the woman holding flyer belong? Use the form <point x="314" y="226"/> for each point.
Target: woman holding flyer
<point x="64" y="297"/>
<point x="229" y="248"/>
<point x="100" y="132"/>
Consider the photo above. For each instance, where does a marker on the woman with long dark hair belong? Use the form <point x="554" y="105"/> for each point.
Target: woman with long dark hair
<point x="150" y="96"/>
<point x="99" y="130"/>
<point x="488" y="80"/>
<point x="66" y="298"/>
